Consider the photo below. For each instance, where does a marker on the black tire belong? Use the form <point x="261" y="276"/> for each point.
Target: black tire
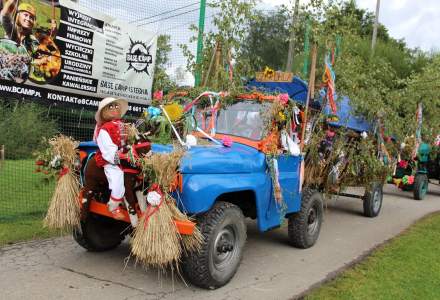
<point x="224" y="233"/>
<point x="98" y="233"/>
<point x="304" y="226"/>
<point x="420" y="186"/>
<point x="373" y="199"/>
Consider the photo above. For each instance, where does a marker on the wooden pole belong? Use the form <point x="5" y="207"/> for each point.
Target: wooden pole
<point x="310" y="94"/>
<point x="2" y="155"/>
<point x="376" y="24"/>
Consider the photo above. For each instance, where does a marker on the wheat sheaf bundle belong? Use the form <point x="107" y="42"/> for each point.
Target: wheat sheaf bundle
<point x="156" y="241"/>
<point x="64" y="209"/>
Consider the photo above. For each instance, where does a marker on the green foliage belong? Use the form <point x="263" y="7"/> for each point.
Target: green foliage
<point x="22" y="127"/>
<point x="266" y="43"/>
<point x="162" y="80"/>
<point x="230" y="32"/>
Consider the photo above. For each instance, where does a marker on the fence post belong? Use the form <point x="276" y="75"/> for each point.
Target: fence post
<point x="2" y="155"/>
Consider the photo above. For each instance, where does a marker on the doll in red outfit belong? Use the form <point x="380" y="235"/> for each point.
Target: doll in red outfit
<point x="111" y="137"/>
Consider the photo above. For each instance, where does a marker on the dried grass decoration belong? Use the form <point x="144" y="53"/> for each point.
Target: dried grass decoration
<point x="64" y="209"/>
<point x="156" y="241"/>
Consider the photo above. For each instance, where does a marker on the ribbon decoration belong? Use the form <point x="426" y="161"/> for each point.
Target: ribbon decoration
<point x="419" y="121"/>
<point x="63" y="172"/>
<point x="151" y="210"/>
<point x="328" y="79"/>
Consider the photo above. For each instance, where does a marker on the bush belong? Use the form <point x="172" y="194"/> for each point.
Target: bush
<point x="22" y="126"/>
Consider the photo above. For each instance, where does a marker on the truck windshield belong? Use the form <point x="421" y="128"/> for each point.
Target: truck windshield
<point x="241" y="119"/>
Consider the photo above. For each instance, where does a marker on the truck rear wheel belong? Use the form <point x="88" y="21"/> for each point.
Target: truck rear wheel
<point x="224" y="233"/>
<point x="98" y="233"/>
<point x="420" y="186"/>
<point x="304" y="226"/>
<point x="373" y="200"/>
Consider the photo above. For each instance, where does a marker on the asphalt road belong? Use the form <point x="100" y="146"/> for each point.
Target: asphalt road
<point x="271" y="269"/>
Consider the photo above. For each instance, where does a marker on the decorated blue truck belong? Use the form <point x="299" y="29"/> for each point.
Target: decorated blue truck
<point x="239" y="171"/>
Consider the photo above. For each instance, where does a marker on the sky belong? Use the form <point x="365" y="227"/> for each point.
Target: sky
<point x="417" y="22"/>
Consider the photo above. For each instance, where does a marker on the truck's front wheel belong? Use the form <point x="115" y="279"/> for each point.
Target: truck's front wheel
<point x="224" y="233"/>
<point x="305" y="225"/>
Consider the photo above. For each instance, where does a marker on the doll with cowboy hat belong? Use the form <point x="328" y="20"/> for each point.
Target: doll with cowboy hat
<point x="110" y="135"/>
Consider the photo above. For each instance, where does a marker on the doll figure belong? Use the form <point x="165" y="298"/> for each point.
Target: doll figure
<point x="111" y="137"/>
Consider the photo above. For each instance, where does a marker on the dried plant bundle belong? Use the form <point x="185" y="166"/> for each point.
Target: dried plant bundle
<point x="156" y="241"/>
<point x="64" y="209"/>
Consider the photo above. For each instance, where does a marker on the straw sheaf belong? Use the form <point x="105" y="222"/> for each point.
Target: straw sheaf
<point x="64" y="209"/>
<point x="66" y="148"/>
<point x="156" y="241"/>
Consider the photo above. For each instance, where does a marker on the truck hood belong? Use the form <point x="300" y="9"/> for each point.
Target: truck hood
<point x="215" y="159"/>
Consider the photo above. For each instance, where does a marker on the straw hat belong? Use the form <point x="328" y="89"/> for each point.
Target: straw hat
<point x="106" y="101"/>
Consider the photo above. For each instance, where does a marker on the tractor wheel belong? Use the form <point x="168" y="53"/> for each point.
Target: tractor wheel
<point x="304" y="226"/>
<point x="420" y="186"/>
<point x="373" y="198"/>
<point x="98" y="233"/>
<point x="224" y="233"/>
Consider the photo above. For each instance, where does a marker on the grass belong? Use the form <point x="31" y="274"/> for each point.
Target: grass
<point x="30" y="228"/>
<point x="406" y="268"/>
<point x="24" y="198"/>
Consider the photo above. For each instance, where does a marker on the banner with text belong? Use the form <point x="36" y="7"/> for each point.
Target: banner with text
<point x="59" y="49"/>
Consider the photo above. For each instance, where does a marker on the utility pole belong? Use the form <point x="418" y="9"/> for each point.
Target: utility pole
<point x="290" y="55"/>
<point x="376" y="24"/>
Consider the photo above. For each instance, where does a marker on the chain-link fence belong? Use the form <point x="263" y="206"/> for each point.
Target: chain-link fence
<point x="23" y="192"/>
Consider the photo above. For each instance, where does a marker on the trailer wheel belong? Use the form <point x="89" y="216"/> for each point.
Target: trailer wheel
<point x="224" y="233"/>
<point x="98" y="233"/>
<point x="420" y="186"/>
<point x="304" y="226"/>
<point x="373" y="199"/>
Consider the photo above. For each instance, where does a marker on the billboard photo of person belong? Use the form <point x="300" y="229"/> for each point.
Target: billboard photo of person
<point x="29" y="27"/>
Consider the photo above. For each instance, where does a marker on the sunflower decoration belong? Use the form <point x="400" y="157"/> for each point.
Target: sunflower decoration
<point x="268" y="72"/>
<point x="174" y="111"/>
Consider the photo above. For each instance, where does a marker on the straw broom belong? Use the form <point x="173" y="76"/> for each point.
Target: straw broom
<point x="156" y="241"/>
<point x="64" y="209"/>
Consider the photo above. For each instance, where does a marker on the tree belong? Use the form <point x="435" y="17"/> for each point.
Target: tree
<point x="162" y="80"/>
<point x="221" y="46"/>
<point x="266" y="42"/>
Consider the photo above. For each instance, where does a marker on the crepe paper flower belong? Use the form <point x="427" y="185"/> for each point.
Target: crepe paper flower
<point x="330" y="133"/>
<point x="227" y="141"/>
<point x="153" y="111"/>
<point x="282" y="116"/>
<point x="174" y="111"/>
<point x="407" y="180"/>
<point x="283" y="98"/>
<point x="158" y="95"/>
<point x="403" y="164"/>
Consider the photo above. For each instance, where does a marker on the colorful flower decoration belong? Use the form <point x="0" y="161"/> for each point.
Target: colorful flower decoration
<point x="158" y="95"/>
<point x="227" y="141"/>
<point x="153" y="111"/>
<point x="282" y="116"/>
<point x="408" y="180"/>
<point x="283" y="98"/>
<point x="174" y="111"/>
<point x="268" y="72"/>
<point x="403" y="164"/>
